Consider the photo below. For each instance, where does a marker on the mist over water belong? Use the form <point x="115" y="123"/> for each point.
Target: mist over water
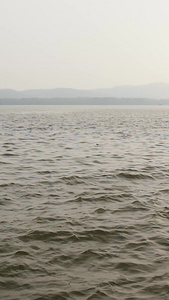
<point x="84" y="201"/>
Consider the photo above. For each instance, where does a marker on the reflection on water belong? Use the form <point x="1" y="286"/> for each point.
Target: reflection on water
<point x="84" y="203"/>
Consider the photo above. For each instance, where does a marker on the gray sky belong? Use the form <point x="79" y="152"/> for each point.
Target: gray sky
<point x="83" y="43"/>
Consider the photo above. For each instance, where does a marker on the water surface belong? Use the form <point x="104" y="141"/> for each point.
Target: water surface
<point x="84" y="201"/>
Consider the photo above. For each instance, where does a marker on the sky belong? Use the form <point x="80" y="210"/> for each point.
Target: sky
<point x="83" y="44"/>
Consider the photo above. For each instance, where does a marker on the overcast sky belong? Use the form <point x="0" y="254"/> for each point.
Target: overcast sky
<point x="83" y="44"/>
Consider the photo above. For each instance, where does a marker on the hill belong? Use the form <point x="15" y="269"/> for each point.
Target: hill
<point x="150" y="91"/>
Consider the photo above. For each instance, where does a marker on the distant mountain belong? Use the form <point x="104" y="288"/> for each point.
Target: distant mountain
<point x="150" y="91"/>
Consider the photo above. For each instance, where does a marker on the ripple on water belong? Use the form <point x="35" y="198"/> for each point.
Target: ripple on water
<point x="84" y="204"/>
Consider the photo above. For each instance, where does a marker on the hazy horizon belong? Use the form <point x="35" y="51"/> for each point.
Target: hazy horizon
<point x="83" y="44"/>
<point x="88" y="89"/>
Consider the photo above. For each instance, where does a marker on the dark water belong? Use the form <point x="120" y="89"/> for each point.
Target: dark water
<point x="84" y="199"/>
